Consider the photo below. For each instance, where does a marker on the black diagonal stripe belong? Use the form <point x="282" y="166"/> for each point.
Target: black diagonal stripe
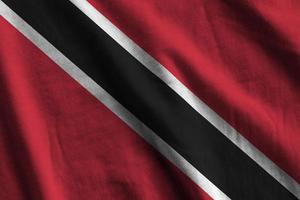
<point x="149" y="99"/>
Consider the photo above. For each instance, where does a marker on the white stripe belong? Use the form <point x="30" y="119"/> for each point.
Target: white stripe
<point x="97" y="91"/>
<point x="160" y="71"/>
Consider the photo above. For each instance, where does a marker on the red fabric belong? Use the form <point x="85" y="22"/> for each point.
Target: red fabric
<point x="240" y="57"/>
<point x="58" y="142"/>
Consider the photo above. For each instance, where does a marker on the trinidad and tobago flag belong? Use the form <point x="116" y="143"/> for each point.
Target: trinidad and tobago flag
<point x="149" y="99"/>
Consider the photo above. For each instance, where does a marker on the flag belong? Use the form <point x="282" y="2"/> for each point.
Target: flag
<point x="149" y="99"/>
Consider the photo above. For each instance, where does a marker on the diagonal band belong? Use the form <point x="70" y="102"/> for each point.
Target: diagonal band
<point x="149" y="98"/>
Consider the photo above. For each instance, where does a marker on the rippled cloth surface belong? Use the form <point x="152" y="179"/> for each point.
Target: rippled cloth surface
<point x="57" y="141"/>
